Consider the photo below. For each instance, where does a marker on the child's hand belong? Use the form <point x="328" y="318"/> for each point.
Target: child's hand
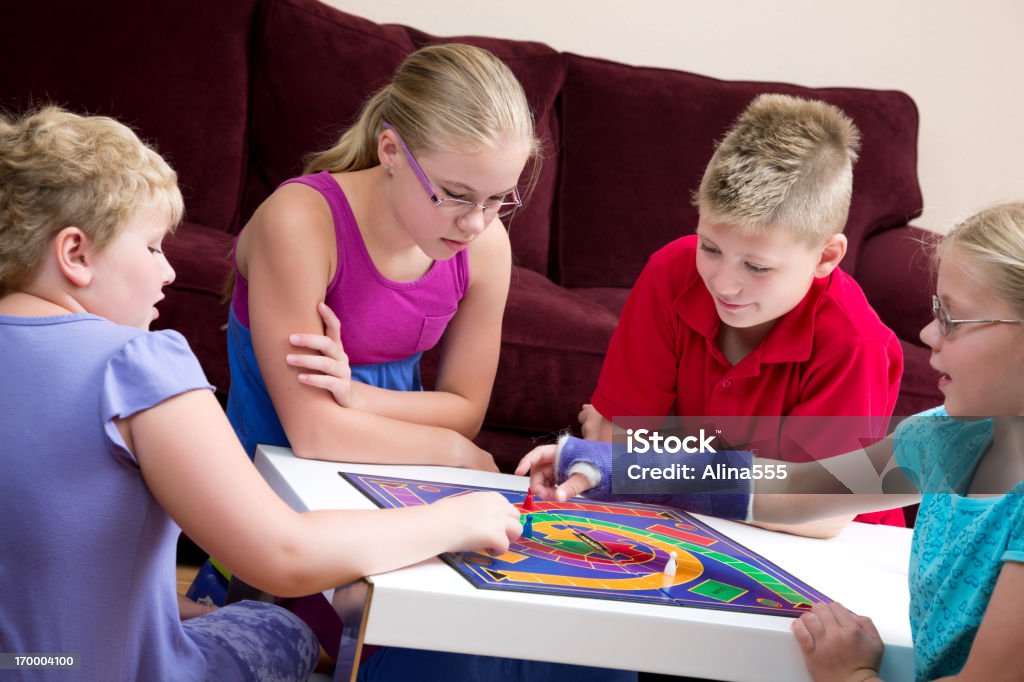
<point x="469" y="456"/>
<point x="482" y="521"/>
<point x="590" y="422"/>
<point x="540" y="462"/>
<point x="335" y="375"/>
<point x="838" y="645"/>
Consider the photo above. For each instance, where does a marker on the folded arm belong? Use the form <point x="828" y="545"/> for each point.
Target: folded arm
<point x="469" y="354"/>
<point x="289" y="261"/>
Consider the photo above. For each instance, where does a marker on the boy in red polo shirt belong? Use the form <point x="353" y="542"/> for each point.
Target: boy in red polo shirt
<point x="751" y="316"/>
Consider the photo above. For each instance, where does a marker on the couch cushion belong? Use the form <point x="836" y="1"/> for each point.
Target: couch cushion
<point x="177" y="72"/>
<point x="612" y="298"/>
<point x="541" y="71"/>
<point x="314" y="69"/>
<point x="635" y="142"/>
<point x="553" y="344"/>
<point x="898" y="261"/>
<point x="201" y="260"/>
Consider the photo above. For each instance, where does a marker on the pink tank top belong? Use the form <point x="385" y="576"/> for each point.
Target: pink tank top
<point x="381" y="320"/>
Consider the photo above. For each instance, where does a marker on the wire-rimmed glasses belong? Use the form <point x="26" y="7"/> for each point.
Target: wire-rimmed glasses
<point x="458" y="207"/>
<point x="947" y="324"/>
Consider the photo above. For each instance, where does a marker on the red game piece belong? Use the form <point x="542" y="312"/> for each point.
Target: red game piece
<point x="528" y="502"/>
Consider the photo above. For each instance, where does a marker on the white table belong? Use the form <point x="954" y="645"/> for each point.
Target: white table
<point x="431" y="606"/>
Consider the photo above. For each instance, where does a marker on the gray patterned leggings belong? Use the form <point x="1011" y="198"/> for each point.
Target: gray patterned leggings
<point x="254" y="642"/>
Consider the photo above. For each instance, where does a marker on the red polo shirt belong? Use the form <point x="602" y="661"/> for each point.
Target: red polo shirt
<point x="831" y="356"/>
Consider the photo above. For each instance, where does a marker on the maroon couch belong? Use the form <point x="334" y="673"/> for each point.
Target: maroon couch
<point x="235" y="92"/>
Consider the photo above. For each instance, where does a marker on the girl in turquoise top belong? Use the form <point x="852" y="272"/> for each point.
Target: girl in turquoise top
<point x="967" y="557"/>
<point x="963" y="462"/>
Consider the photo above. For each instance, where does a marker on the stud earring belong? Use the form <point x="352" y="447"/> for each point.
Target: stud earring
<point x="388" y="171"/>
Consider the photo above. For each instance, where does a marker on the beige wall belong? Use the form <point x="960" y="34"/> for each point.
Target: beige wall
<point x="961" y="61"/>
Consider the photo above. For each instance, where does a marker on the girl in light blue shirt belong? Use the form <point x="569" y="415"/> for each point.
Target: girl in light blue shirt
<point x="112" y="442"/>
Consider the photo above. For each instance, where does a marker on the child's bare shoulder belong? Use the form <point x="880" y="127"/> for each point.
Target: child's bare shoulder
<point x="293" y="214"/>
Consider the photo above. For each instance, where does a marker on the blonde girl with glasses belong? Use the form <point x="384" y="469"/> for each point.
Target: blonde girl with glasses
<point x="967" y="461"/>
<point x="346" y="275"/>
<point x="963" y="462"/>
<point x="393" y="238"/>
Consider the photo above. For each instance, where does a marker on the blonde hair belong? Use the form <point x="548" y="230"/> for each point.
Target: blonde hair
<point x="58" y="169"/>
<point x="451" y="97"/>
<point x="786" y="162"/>
<point x="994" y="240"/>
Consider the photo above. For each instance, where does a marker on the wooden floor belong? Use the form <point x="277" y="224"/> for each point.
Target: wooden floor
<point x="186" y="574"/>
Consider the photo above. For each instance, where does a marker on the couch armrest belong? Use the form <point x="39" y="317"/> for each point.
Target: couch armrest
<point x="894" y="270"/>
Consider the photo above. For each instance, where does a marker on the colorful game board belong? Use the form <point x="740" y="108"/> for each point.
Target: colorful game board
<point x="613" y="550"/>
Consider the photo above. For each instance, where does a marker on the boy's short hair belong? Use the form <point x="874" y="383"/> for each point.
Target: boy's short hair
<point x="787" y="162"/>
<point x="59" y="169"/>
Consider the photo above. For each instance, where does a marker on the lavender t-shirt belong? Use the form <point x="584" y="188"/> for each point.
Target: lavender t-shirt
<point x="88" y="557"/>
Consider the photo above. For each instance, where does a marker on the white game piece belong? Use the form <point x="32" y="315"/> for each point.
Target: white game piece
<point x="670" y="565"/>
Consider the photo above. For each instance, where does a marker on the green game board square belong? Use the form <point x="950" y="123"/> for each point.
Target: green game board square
<point x="712" y="589"/>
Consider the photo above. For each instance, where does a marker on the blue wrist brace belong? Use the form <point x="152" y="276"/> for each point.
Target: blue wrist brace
<point x="725" y="498"/>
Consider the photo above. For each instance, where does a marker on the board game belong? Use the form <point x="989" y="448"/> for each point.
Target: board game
<point x="613" y="550"/>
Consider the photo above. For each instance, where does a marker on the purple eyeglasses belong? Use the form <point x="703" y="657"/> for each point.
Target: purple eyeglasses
<point x="457" y="207"/>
